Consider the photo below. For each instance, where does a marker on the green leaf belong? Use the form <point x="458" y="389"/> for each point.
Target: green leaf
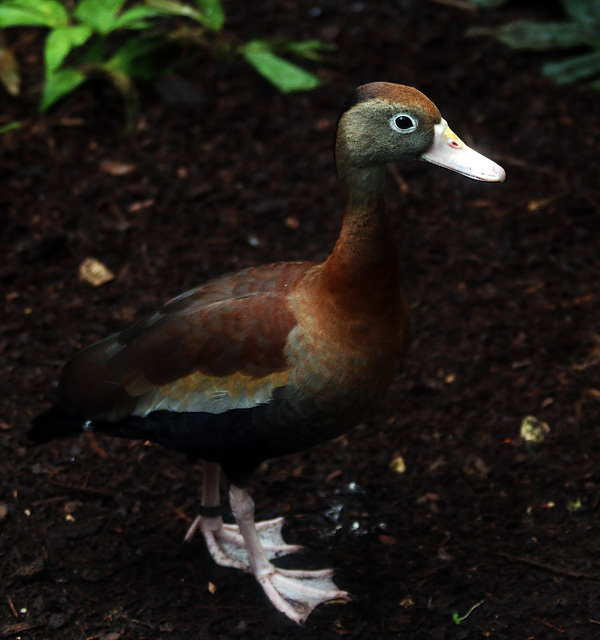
<point x="284" y="75"/>
<point x="572" y="69"/>
<point x="99" y="14"/>
<point x="176" y="8"/>
<point x="582" y="10"/>
<point x="11" y="126"/>
<point x="214" y="12"/>
<point x="59" y="84"/>
<point x="309" y="49"/>
<point x="60" y="42"/>
<point x="135" y="18"/>
<point x="32" y="13"/>
<point x="126" y="59"/>
<point x="538" y="36"/>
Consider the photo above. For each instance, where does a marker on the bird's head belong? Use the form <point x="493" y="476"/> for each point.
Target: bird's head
<point x="384" y="122"/>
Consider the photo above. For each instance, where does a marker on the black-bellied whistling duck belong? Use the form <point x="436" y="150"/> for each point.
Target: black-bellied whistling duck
<point x="273" y="359"/>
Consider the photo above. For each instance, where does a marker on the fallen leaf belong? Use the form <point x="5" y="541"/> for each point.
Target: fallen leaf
<point x="9" y="72"/>
<point x="533" y="429"/>
<point x="138" y="206"/>
<point x="93" y="272"/>
<point x="292" y="222"/>
<point x="116" y="168"/>
<point x="398" y="465"/>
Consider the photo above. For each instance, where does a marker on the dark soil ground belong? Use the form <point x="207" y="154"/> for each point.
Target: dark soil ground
<point x="503" y="285"/>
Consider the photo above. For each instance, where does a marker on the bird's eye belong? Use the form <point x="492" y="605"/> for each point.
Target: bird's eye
<point x="403" y="123"/>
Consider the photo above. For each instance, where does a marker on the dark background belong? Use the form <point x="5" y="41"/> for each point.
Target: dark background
<point x="502" y="281"/>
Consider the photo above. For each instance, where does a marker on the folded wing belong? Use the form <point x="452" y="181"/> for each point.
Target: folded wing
<point x="215" y="348"/>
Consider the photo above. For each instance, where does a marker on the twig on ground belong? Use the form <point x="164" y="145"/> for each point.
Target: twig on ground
<point x="552" y="568"/>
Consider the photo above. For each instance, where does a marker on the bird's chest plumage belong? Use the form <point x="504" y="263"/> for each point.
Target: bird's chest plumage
<point x="343" y="357"/>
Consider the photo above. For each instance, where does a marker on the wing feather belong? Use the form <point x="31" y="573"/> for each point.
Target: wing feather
<point x="218" y="347"/>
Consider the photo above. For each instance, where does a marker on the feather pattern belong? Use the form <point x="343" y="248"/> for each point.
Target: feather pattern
<point x="218" y="347"/>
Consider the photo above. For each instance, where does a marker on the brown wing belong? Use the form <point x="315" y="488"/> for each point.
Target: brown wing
<point x="214" y="348"/>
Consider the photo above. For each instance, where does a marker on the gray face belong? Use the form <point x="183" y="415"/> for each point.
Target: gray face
<point x="387" y="123"/>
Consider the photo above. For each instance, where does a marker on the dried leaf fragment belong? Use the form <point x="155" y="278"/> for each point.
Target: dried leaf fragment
<point x="397" y="464"/>
<point x="94" y="273"/>
<point x="116" y="168"/>
<point x="533" y="429"/>
<point x="9" y="72"/>
<point x="292" y="222"/>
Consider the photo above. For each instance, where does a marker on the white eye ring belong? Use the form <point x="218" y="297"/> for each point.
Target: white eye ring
<point x="403" y="123"/>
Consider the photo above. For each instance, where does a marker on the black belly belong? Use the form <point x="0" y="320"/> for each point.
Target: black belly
<point x="238" y="439"/>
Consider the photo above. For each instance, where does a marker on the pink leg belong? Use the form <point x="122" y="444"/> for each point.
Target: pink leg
<point x="294" y="593"/>
<point x="224" y="541"/>
<point x="211" y="497"/>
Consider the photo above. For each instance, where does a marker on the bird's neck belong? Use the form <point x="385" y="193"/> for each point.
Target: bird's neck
<point x="365" y="257"/>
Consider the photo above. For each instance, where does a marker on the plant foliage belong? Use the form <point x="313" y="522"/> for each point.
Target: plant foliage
<point x="581" y="30"/>
<point x="121" y="41"/>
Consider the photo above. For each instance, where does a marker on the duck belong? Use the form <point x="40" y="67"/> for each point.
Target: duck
<point x="274" y="359"/>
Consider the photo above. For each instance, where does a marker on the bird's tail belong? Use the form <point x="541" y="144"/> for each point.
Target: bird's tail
<point x="55" y="423"/>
